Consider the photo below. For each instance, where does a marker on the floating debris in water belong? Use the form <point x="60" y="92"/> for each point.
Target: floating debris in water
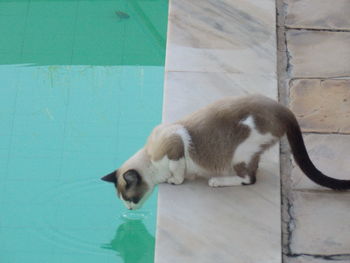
<point x="122" y="15"/>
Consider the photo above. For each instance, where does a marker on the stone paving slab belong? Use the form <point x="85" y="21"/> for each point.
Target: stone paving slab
<point x="319" y="228"/>
<point x="217" y="49"/>
<point x="318" y="14"/>
<point x="321" y="223"/>
<point x="232" y="224"/>
<point x="318" y="54"/>
<point x="311" y="259"/>
<point x="330" y="153"/>
<point x="214" y="85"/>
<point x="217" y="224"/>
<point x="221" y="36"/>
<point x="321" y="105"/>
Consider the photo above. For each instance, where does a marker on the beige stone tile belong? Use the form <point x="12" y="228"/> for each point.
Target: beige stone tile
<point x="210" y="225"/>
<point x="330" y="154"/>
<point x="186" y="92"/>
<point x="310" y="259"/>
<point x="197" y="223"/>
<point x="221" y="36"/>
<point x="318" y="14"/>
<point x="217" y="49"/>
<point x="321" y="105"/>
<point x="322" y="223"/>
<point x="319" y="54"/>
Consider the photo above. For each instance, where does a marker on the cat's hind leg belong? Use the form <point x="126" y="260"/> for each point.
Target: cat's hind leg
<point x="253" y="167"/>
<point x="248" y="171"/>
<point x="246" y="174"/>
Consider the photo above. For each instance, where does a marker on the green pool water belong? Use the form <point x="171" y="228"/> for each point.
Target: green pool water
<point x="81" y="84"/>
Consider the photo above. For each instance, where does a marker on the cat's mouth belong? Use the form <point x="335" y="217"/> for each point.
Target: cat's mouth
<point x="131" y="205"/>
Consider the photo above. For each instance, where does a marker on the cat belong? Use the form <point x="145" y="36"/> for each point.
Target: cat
<point x="222" y="141"/>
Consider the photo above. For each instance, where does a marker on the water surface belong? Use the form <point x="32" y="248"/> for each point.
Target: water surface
<point x="80" y="89"/>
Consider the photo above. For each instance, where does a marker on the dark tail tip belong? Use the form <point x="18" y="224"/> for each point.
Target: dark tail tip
<point x="302" y="158"/>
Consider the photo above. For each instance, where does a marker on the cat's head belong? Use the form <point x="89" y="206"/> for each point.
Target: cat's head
<point x="131" y="187"/>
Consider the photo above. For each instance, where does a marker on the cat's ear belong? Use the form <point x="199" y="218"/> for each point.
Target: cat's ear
<point x="111" y="178"/>
<point x="132" y="178"/>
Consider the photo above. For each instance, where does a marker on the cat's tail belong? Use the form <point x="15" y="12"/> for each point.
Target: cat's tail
<point x="302" y="158"/>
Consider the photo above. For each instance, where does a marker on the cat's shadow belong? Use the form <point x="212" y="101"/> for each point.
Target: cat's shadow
<point x="133" y="242"/>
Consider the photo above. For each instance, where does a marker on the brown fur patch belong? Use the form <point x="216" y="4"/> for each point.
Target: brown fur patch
<point x="171" y="146"/>
<point x="216" y="130"/>
<point x="165" y="142"/>
<point x="253" y="167"/>
<point x="241" y="169"/>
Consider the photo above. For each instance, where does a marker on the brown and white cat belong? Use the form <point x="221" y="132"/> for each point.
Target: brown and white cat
<point x="223" y="141"/>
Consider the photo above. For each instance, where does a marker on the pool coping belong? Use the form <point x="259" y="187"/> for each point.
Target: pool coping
<point x="199" y="64"/>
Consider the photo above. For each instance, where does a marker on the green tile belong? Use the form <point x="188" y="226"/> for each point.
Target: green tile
<point x="56" y="9"/>
<point x="107" y="127"/>
<point x="81" y="256"/>
<point x="84" y="33"/>
<point x="88" y="55"/>
<point x="22" y="194"/>
<point x="79" y="167"/>
<point x="13" y="27"/>
<point x="46" y="58"/>
<point x="17" y="212"/>
<point x="60" y="25"/>
<point x="31" y="243"/>
<point x="44" y="140"/>
<point x="14" y="8"/>
<point x="26" y="256"/>
<point x="49" y="43"/>
<point x="49" y="34"/>
<point x="7" y="108"/>
<point x="101" y="8"/>
<point x="10" y="57"/>
<point x="39" y="167"/>
<point x="90" y="145"/>
<point x="45" y="109"/>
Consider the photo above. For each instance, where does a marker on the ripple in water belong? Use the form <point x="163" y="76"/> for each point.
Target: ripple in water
<point x="135" y="215"/>
<point x="71" y="217"/>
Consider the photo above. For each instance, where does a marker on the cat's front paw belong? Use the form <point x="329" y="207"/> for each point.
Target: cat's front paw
<point x="213" y="182"/>
<point x="175" y="180"/>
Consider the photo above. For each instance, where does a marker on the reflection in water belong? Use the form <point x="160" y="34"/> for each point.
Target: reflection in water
<point x="133" y="242"/>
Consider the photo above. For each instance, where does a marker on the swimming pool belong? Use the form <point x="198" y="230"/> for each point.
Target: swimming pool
<point x="81" y="86"/>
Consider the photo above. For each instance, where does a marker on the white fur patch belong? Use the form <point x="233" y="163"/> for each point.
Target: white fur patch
<point x="192" y="169"/>
<point x="186" y="137"/>
<point x="160" y="170"/>
<point x="228" y="181"/>
<point x="252" y="145"/>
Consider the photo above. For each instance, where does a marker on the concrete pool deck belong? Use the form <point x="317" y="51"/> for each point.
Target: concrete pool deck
<point x="216" y="49"/>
